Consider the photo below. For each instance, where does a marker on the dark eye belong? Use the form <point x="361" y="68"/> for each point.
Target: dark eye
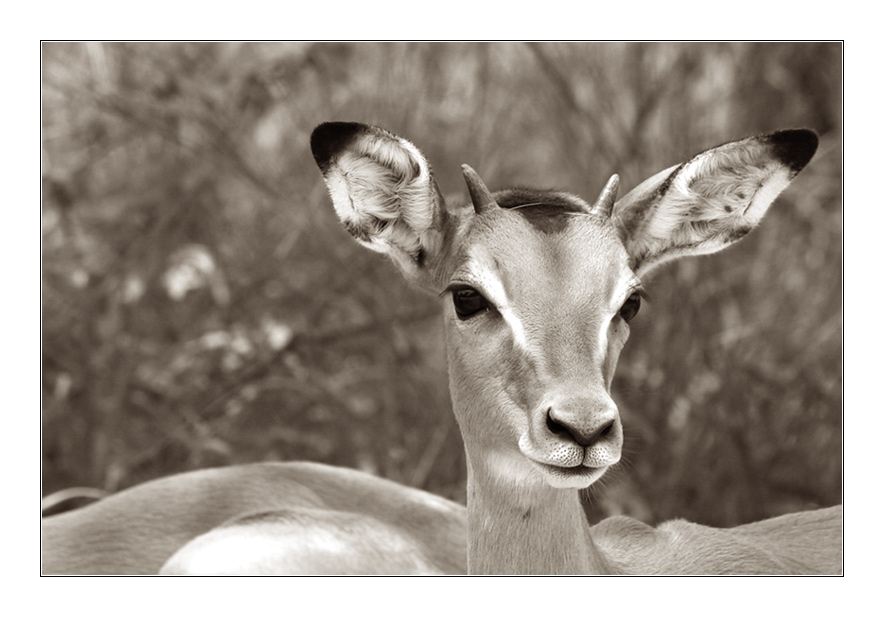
<point x="630" y="307"/>
<point x="468" y="302"/>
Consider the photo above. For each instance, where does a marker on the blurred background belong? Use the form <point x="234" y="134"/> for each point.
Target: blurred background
<point x="202" y="306"/>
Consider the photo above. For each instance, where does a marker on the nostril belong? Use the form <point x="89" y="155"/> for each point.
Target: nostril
<point x="606" y="430"/>
<point x="553" y="426"/>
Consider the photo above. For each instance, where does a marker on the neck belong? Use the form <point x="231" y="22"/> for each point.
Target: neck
<point x="526" y="527"/>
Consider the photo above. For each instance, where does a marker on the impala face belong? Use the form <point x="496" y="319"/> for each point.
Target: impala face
<point x="537" y="304"/>
<point x="539" y="287"/>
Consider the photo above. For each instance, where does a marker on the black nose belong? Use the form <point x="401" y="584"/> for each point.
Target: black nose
<point x="586" y="436"/>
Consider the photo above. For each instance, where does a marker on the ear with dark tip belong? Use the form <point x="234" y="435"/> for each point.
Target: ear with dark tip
<point x="712" y="200"/>
<point x="383" y="191"/>
<point x="330" y="138"/>
<point x="479" y="193"/>
<point x="794" y="147"/>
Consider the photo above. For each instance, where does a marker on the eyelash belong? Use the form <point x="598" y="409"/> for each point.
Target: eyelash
<point x="468" y="302"/>
<point x="631" y="307"/>
<point x="632" y="304"/>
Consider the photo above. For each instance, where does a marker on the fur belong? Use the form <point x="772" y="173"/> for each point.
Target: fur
<point x="711" y="201"/>
<point x="530" y="376"/>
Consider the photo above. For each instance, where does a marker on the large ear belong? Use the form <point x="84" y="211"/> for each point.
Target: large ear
<point x="383" y="191"/>
<point x="711" y="201"/>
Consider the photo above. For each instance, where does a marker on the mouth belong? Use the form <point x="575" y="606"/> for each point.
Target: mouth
<point x="564" y="463"/>
<point x="570" y="477"/>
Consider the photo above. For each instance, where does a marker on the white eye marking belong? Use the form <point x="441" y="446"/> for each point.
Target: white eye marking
<point x="603" y="334"/>
<point x="518" y="330"/>
<point x="489" y="284"/>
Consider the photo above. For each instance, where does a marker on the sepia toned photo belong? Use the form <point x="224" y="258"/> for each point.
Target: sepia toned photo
<point x="400" y="308"/>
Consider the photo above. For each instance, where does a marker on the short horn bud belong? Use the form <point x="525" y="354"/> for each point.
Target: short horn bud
<point x="604" y="205"/>
<point x="479" y="193"/>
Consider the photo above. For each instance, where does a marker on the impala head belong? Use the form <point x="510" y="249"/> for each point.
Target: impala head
<point x="539" y="286"/>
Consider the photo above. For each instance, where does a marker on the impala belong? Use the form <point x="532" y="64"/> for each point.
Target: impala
<point x="538" y="288"/>
<point x="346" y="522"/>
